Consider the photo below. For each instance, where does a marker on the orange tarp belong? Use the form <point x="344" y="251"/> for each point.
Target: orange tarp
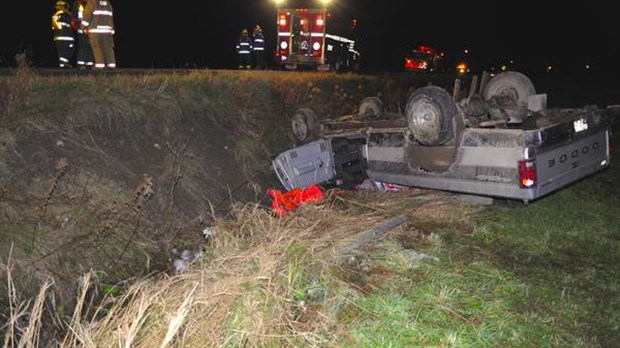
<point x="288" y="201"/>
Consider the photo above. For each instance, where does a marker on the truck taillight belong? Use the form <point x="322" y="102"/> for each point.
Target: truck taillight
<point x="527" y="173"/>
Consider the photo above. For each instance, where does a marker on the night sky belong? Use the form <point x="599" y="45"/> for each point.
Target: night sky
<point x="203" y="33"/>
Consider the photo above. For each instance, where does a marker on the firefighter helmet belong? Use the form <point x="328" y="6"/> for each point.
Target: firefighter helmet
<point x="61" y="5"/>
<point x="257" y="29"/>
<point x="244" y="31"/>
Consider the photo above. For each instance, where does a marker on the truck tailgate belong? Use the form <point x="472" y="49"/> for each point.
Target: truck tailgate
<point x="564" y="164"/>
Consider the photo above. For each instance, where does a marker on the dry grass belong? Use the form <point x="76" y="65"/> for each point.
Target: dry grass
<point x="15" y="90"/>
<point x="176" y="127"/>
<point x="263" y="281"/>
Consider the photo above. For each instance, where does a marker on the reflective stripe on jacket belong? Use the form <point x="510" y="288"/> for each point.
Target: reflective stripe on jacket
<point x="61" y="24"/>
<point x="259" y="42"/>
<point x="244" y="46"/>
<point x="78" y="16"/>
<point x="99" y="17"/>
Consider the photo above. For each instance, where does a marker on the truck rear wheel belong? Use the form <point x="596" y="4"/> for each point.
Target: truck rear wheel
<point x="371" y="106"/>
<point x="305" y="125"/>
<point x="430" y="111"/>
<point x="508" y="92"/>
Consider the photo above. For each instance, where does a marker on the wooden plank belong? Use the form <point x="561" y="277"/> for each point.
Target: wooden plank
<point x="376" y="233"/>
<point x="483" y="81"/>
<point x="473" y="86"/>
<point x="457" y="89"/>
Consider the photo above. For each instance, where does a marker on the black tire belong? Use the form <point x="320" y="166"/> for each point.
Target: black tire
<point x="430" y="111"/>
<point x="371" y="106"/>
<point x="305" y="125"/>
<point x="506" y="90"/>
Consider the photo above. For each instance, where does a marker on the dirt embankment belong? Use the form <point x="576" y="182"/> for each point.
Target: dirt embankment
<point x="113" y="172"/>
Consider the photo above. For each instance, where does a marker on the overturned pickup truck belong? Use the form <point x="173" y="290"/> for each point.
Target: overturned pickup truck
<point x="499" y="140"/>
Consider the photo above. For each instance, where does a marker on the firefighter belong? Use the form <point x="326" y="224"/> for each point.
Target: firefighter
<point x="98" y="23"/>
<point x="63" y="34"/>
<point x="258" y="47"/>
<point x="84" y="54"/>
<point x="244" y="49"/>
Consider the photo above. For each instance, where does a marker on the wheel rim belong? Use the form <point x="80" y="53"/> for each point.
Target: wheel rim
<point x="300" y="129"/>
<point x="367" y="110"/>
<point x="507" y="96"/>
<point x="424" y="118"/>
<point x="371" y="107"/>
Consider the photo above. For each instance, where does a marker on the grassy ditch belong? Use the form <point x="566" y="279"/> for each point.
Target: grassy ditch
<point x="87" y="254"/>
<point x="119" y="173"/>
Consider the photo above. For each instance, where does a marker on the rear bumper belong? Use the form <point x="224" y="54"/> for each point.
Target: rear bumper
<point x="487" y="188"/>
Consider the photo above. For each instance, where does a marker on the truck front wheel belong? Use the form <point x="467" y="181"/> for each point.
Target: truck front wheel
<point x="305" y="125"/>
<point x="430" y="111"/>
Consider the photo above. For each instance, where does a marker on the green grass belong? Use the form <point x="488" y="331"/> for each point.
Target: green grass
<point x="452" y="304"/>
<point x="567" y="250"/>
<point x="530" y="276"/>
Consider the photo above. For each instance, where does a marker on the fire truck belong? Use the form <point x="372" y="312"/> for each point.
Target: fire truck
<point x="304" y="44"/>
<point x="423" y="59"/>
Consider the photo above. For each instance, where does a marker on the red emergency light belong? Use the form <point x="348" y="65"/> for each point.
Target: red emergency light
<point x="319" y="21"/>
<point x="426" y="49"/>
<point x="415" y="64"/>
